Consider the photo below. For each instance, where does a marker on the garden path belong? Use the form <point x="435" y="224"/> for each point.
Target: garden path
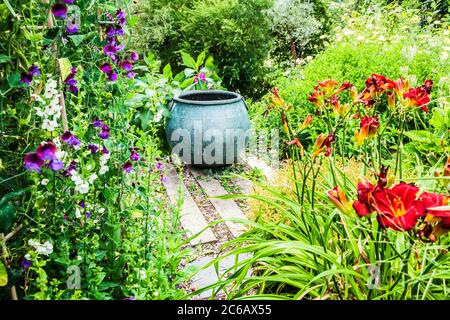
<point x="199" y="209"/>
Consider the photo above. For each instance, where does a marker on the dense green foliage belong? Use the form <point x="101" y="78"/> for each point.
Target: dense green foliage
<point x="235" y="33"/>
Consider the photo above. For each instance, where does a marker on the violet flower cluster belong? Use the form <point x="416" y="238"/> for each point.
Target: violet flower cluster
<point x="59" y="11"/>
<point x="112" y="49"/>
<point x="71" y="82"/>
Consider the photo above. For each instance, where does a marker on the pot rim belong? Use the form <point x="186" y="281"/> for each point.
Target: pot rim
<point x="181" y="97"/>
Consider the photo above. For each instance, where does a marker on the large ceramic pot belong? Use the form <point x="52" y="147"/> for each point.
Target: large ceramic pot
<point x="208" y="128"/>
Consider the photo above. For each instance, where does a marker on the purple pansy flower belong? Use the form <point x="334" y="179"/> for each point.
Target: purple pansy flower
<point x="126" y="65"/>
<point x="112" y="77"/>
<point x="72" y="168"/>
<point x="93" y="148"/>
<point x="163" y="178"/>
<point x="26" y="264"/>
<point x="68" y="1"/>
<point x="26" y="78"/>
<point x="104" y="134"/>
<point x="71" y="27"/>
<point x="106" y="68"/>
<point x="135" y="156"/>
<point x="110" y="32"/>
<point x="159" y="166"/>
<point x="59" y="10"/>
<point x="34" y="71"/>
<point x="46" y="151"/>
<point x="73" y="89"/>
<point x="134" y="56"/>
<point x="131" y="75"/>
<point x="110" y="49"/>
<point x="120" y="47"/>
<point x="70" y="139"/>
<point x="118" y="31"/>
<point x="33" y="162"/>
<point x="56" y="165"/>
<point x="81" y="204"/>
<point x="128" y="167"/>
<point x="121" y="16"/>
<point x="88" y="215"/>
<point x="104" y="150"/>
<point x="97" y="123"/>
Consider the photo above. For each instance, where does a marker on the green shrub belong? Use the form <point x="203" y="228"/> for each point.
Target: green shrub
<point x="235" y="33"/>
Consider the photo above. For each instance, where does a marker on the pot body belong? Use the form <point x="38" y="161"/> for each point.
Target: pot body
<point x="208" y="128"/>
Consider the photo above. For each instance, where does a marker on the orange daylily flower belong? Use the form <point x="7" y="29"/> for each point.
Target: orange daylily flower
<point x="338" y="198"/>
<point x="368" y="129"/>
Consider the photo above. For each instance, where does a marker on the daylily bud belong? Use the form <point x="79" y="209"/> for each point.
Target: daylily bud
<point x="309" y="118"/>
<point x="338" y="198"/>
<point x="391" y="100"/>
<point x="354" y="93"/>
<point x="298" y="144"/>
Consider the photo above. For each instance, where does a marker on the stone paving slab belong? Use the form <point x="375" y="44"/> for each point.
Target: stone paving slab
<point x="228" y="208"/>
<point x="192" y="219"/>
<point x="245" y="186"/>
<point x="209" y="276"/>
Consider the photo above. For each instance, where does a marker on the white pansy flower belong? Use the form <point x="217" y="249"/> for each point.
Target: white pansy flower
<point x="39" y="112"/>
<point x="103" y="169"/>
<point x="142" y="273"/>
<point x="77" y="213"/>
<point x="44" y="182"/>
<point x="28" y="256"/>
<point x="82" y="188"/>
<point x="101" y="210"/>
<point x="92" y="178"/>
<point x="49" y="125"/>
<point x="76" y="178"/>
<point x="53" y="108"/>
<point x="50" y="89"/>
<point x="60" y="154"/>
<point x="104" y="159"/>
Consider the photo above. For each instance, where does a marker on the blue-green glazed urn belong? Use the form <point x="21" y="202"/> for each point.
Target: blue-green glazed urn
<point x="208" y="128"/>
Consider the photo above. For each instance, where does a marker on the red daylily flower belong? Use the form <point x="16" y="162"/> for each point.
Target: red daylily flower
<point x="397" y="208"/>
<point x="344" y="86"/>
<point x="368" y="129"/>
<point x="363" y="205"/>
<point x="328" y="85"/>
<point x="323" y="141"/>
<point x="432" y="202"/>
<point x="378" y="84"/>
<point x="400" y="86"/>
<point x="417" y="97"/>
